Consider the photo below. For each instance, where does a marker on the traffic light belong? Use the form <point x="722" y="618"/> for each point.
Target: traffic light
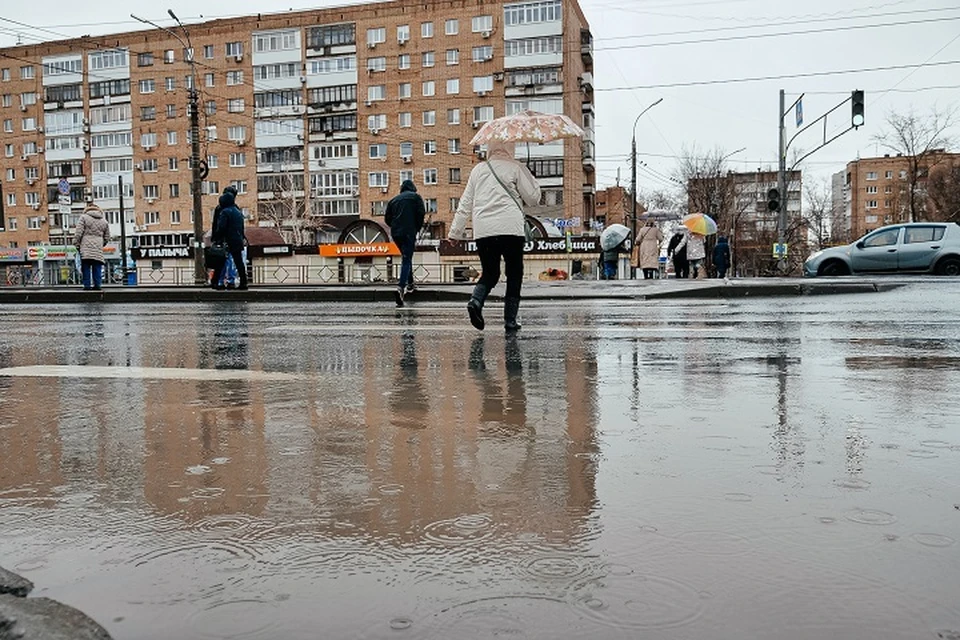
<point x="773" y="199"/>
<point x="856" y="116"/>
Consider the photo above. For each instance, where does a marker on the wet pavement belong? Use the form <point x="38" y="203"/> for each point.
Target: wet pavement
<point x="673" y="469"/>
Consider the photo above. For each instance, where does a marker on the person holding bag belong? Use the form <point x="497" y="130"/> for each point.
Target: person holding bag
<point x="92" y="233"/>
<point x="492" y="200"/>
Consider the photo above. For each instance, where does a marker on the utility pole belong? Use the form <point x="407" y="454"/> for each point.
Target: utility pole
<point x="123" y="233"/>
<point x="782" y="183"/>
<point x="633" y="175"/>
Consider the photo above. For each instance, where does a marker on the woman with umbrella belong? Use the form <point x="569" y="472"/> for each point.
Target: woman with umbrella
<point x="611" y="240"/>
<point x="698" y="227"/>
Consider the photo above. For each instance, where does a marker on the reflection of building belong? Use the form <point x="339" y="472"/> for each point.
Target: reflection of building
<point x="316" y="116"/>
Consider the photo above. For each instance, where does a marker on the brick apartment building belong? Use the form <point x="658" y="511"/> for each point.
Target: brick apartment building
<point x="315" y="116"/>
<point x="875" y="191"/>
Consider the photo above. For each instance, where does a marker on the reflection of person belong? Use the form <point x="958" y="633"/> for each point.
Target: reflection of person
<point x="646" y="252"/>
<point x="721" y="257"/>
<point x="696" y="250"/>
<point x="92" y="233"/>
<point x="492" y="199"/>
<point x="505" y="408"/>
<point x="681" y="267"/>
<point x="229" y="230"/>
<point x="404" y="214"/>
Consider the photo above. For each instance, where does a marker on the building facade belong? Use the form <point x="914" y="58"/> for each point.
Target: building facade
<point x="316" y="117"/>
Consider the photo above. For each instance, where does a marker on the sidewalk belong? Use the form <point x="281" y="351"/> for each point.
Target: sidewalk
<point x="532" y="291"/>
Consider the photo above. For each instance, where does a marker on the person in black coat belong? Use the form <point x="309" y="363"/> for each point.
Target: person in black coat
<point x="213" y="230"/>
<point x="721" y="257"/>
<point x="229" y="231"/>
<point x="405" y="213"/>
<point x="681" y="266"/>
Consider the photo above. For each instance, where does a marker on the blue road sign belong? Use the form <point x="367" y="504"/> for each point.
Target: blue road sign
<point x="799" y="112"/>
<point x="63" y="187"/>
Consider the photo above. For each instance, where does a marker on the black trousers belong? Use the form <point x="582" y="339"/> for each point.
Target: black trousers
<point x="238" y="263"/>
<point x="510" y="248"/>
<point x="681" y="268"/>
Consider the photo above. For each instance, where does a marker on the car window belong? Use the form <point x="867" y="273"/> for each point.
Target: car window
<point x="882" y="238"/>
<point x="923" y="234"/>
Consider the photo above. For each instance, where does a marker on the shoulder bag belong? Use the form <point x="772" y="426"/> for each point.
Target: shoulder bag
<point x="526" y="229"/>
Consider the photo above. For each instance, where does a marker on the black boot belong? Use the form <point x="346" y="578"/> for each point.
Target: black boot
<point x="511" y="307"/>
<point x="475" y="306"/>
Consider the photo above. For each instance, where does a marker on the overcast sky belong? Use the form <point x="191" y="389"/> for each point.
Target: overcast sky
<point x="632" y="57"/>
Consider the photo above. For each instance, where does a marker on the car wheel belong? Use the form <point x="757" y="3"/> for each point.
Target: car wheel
<point x="833" y="268"/>
<point x="949" y="266"/>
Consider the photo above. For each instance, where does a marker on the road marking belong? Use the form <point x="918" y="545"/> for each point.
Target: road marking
<point x="126" y="373"/>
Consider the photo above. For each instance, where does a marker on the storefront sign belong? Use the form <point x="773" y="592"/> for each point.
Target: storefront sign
<point x="63" y="252"/>
<point x="357" y="250"/>
<point x="158" y="253"/>
<point x="11" y="255"/>
<point x="573" y="244"/>
<point x="272" y="251"/>
<point x="565" y="223"/>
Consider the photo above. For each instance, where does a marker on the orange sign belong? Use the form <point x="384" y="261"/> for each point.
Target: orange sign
<point x="356" y="250"/>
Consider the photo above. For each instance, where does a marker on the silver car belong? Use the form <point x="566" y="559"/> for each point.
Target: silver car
<point x="919" y="247"/>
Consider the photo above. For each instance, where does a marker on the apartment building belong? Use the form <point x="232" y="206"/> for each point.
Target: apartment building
<point x="876" y="191"/>
<point x="316" y="117"/>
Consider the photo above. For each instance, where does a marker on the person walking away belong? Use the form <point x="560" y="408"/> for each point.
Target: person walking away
<point x="229" y="273"/>
<point x="609" y="258"/>
<point x="230" y="232"/>
<point x="92" y="233"/>
<point x="681" y="267"/>
<point x="696" y="250"/>
<point x="647" y="249"/>
<point x="492" y="200"/>
<point x="721" y="257"/>
<point x="405" y="213"/>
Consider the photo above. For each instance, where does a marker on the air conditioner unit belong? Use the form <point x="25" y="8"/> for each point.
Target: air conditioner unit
<point x="374" y="132"/>
<point x="406" y="159"/>
<point x="498" y="76"/>
<point x="476" y="125"/>
<point x="85" y="145"/>
<point x="23" y="158"/>
<point x="39" y="129"/>
<point x="151" y="200"/>
<point x="36" y="207"/>
<point x="31" y="181"/>
<point x="368" y="103"/>
<point x="86" y="128"/>
<point x="488" y="57"/>
<point x="23" y="107"/>
<point x="238" y="57"/>
<point x="482" y="93"/>
<point x="138" y="167"/>
<point x="321" y="163"/>
<point x="385" y="190"/>
<point x="371" y="45"/>
<point x="485" y="34"/>
<point x="355" y="193"/>
<point x="148" y="147"/>
<point x="481" y="154"/>
<point x="86" y="121"/>
<point x="40" y="149"/>
<point x="402" y="41"/>
<point x="241" y="143"/>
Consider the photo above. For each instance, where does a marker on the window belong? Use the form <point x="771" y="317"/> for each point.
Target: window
<point x="235" y="105"/>
<point x="170" y="83"/>
<point x="8" y="150"/>
<point x="406" y="149"/>
<point x="533" y="46"/>
<point x="173" y="164"/>
<point x="27" y="72"/>
<point x="7" y="100"/>
<point x="210" y="107"/>
<point x="429" y="118"/>
<point x="378" y="179"/>
<point x="428" y="58"/>
<point x="888" y="189"/>
<point x="482" y="114"/>
<point x="344" y="94"/>
<point x="171" y="110"/>
<point x="451" y="27"/>
<point x="174" y="217"/>
<point x="903" y="174"/>
<point x="454" y="204"/>
<point x="329" y="124"/>
<point x="871" y="175"/>
<point x="887" y="203"/>
<point x="5" y="75"/>
<point x="213" y="162"/>
<point x="884" y="238"/>
<point x="106" y="165"/>
<point x="148" y="113"/>
<point x="532" y="12"/>
<point x="11" y="175"/>
<point x="430" y="204"/>
<point x="64" y="93"/>
<point x="144" y="59"/>
<point x="546" y="168"/>
<point x="28" y="98"/>
<point x="429" y="88"/>
<point x="913" y="235"/>
<point x="481" y="23"/>
<point x="378" y="151"/>
<point x="8" y="126"/>
<point x="208" y="54"/>
<point x="453" y="86"/>
<point x="106" y="140"/>
<point x="238" y="159"/>
<point x="148" y="140"/>
<point x="209" y="79"/>
<point x="403" y="90"/>
<point x="332" y="35"/>
<point x="31" y="199"/>
<point x="29" y="148"/>
<point x="426" y="30"/>
<point x="453" y="146"/>
<point x="11" y="199"/>
<point x="403" y="33"/>
<point x="376" y="92"/>
<point x="482" y="54"/>
<point x="149" y="165"/>
<point x="376" y="65"/>
<point x="483" y="84"/>
<point x="403" y="61"/>
<point x="430" y="147"/>
<point x="404" y="120"/>
<point x="377" y="122"/>
<point x="28" y="124"/>
<point x="33" y="222"/>
<point x="888" y="175"/>
<point x="234" y="78"/>
<point x="110" y="59"/>
<point x="234" y="49"/>
<point x="453" y="57"/>
<point x="151" y="191"/>
<point x="237" y="133"/>
<point x="11" y="222"/>
<point x="453" y="116"/>
<point x="241" y="187"/>
<point x="148" y="86"/>
<point x="171" y="138"/>
<point x="151" y="217"/>
<point x="109" y="88"/>
<point x="872" y="189"/>
<point x="871" y="204"/>
<point x="168" y="56"/>
<point x="276" y="41"/>
<point x="212" y="187"/>
<point x="174" y="190"/>
<point x="110" y="115"/>
<point x="332" y="65"/>
<point x="406" y="174"/>
<point x="376" y="36"/>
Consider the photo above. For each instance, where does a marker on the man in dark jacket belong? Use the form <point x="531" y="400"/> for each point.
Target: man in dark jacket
<point x="213" y="230"/>
<point x="681" y="266"/>
<point x="405" y="213"/>
<point x="229" y="231"/>
<point x="721" y="257"/>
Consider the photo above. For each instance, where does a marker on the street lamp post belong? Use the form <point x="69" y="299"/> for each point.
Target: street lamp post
<point x="199" y="270"/>
<point x="633" y="173"/>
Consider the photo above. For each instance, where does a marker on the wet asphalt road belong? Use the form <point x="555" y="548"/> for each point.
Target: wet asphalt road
<point x="769" y="468"/>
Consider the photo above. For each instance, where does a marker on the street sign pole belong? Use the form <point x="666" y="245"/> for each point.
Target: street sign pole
<point x="123" y="234"/>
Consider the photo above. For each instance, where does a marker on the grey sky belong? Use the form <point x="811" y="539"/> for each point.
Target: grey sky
<point x="729" y="115"/>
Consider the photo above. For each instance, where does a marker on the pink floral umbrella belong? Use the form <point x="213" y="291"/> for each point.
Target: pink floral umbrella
<point x="528" y="126"/>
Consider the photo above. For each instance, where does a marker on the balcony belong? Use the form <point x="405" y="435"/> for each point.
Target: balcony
<point x="586" y="47"/>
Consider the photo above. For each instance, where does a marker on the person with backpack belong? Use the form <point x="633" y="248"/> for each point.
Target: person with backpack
<point x="681" y="266"/>
<point x="405" y="213"/>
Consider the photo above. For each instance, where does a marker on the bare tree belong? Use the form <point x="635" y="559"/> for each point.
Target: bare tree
<point x="943" y="189"/>
<point x="289" y="210"/>
<point x="917" y="138"/>
<point x="708" y="188"/>
<point x="817" y="211"/>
